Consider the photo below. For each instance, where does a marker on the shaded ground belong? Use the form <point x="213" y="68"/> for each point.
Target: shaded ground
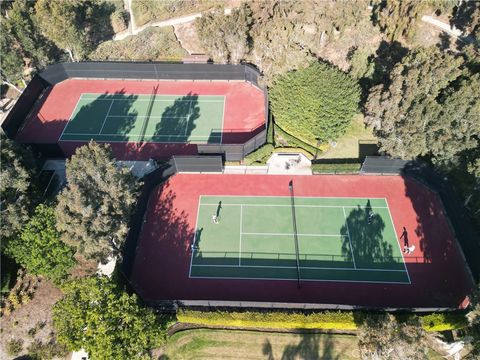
<point x="35" y="314"/>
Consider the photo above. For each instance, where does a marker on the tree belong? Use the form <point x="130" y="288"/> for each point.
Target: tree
<point x="39" y="248"/>
<point x="225" y="37"/>
<point x="429" y="107"/>
<point x="18" y="189"/>
<point x="108" y="323"/>
<point x="94" y="209"/>
<point x="473" y="329"/>
<point x="75" y="26"/>
<point x="381" y="336"/>
<point x="397" y="18"/>
<point x="315" y="103"/>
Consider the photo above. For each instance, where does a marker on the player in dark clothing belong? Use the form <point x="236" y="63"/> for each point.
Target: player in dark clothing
<point x="404" y="236"/>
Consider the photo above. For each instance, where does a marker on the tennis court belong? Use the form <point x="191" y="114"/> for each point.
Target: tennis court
<point x="147" y="118"/>
<point x="338" y="239"/>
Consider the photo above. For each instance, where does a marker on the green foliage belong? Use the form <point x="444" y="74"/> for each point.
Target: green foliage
<point x="14" y="347"/>
<point x="108" y="323"/>
<point x="225" y="37"/>
<point x="75" y="26"/>
<point x="260" y="155"/>
<point x="46" y="351"/>
<point x="282" y="320"/>
<point x="148" y="10"/>
<point x="382" y="336"/>
<point x="284" y="139"/>
<point x="443" y="321"/>
<point x="429" y="108"/>
<point x="94" y="209"/>
<point x="18" y="191"/>
<point x="39" y="248"/>
<point x="336" y="168"/>
<point x="318" y="102"/>
<point x="397" y="18"/>
<point x="151" y="44"/>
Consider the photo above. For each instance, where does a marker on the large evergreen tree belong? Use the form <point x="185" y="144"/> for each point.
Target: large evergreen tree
<point x="105" y="321"/>
<point x="429" y="108"/>
<point x="39" y="248"/>
<point x="18" y="189"/>
<point x="94" y="209"/>
<point x="315" y="103"/>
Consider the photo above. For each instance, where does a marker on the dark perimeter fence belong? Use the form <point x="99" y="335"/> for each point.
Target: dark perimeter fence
<point x="460" y="221"/>
<point x="151" y="71"/>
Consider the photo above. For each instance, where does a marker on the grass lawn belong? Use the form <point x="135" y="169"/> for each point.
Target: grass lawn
<point x="235" y="344"/>
<point x="347" y="145"/>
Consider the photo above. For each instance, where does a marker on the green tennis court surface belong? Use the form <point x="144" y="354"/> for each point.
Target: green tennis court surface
<point x="339" y="239"/>
<point x="148" y="118"/>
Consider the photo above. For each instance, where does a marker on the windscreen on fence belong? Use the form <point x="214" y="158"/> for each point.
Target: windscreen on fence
<point x="23" y="106"/>
<point x="200" y="163"/>
<point x="382" y="165"/>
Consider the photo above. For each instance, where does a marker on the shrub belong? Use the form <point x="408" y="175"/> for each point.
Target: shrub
<point x="443" y="321"/>
<point x="316" y="103"/>
<point x="284" y="139"/>
<point x="259" y="156"/>
<point x="336" y="168"/>
<point x="280" y="320"/>
<point x="14" y="347"/>
<point x="40" y="351"/>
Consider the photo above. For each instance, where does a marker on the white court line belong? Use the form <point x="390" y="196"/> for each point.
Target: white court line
<point x="312" y="206"/>
<point x="240" y="246"/>
<point x="301" y="197"/>
<point x="223" y="117"/>
<point x="106" y="116"/>
<point x="151" y="116"/>
<point x="194" y="237"/>
<point x="303" y="280"/>
<point x="284" y="234"/>
<point x="138" y="135"/>
<point x="159" y="100"/>
<point x="301" y="267"/>
<point x="70" y="118"/>
<point x="398" y="242"/>
<point x="349" y="239"/>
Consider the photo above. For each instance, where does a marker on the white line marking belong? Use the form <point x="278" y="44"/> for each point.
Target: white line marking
<point x="130" y="135"/>
<point x="303" y="279"/>
<point x="241" y="228"/>
<point x="151" y="116"/>
<point x="349" y="239"/>
<point x="302" y="197"/>
<point x="398" y="242"/>
<point x="195" y="236"/>
<point x="301" y="267"/>
<point x="284" y="234"/>
<point x="106" y="116"/>
<point x="223" y="118"/>
<point x="70" y="118"/>
<point x="312" y="206"/>
<point x="159" y="100"/>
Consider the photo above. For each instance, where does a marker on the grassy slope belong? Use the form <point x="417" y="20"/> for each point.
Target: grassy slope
<point x="232" y="344"/>
<point x="151" y="44"/>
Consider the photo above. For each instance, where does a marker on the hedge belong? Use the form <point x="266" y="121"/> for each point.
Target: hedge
<point x="292" y="141"/>
<point x="259" y="156"/>
<point x="336" y="168"/>
<point x="338" y="320"/>
<point x="278" y="320"/>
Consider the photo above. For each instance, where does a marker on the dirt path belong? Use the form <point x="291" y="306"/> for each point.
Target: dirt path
<point x="133" y="30"/>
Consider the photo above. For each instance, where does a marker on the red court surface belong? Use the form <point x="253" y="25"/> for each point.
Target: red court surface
<point x="244" y="114"/>
<point x="439" y="277"/>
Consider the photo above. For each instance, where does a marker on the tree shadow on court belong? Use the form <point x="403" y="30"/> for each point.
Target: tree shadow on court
<point x="364" y="232"/>
<point x="311" y="346"/>
<point x="91" y="119"/>
<point x="178" y="120"/>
